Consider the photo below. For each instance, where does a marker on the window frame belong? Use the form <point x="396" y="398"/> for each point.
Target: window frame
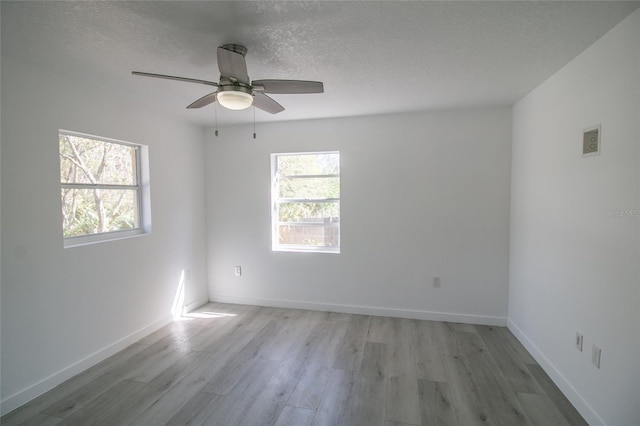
<point x="141" y="187"/>
<point x="276" y="246"/>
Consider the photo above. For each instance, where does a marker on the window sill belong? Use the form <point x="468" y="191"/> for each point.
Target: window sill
<point x="331" y="250"/>
<point x="85" y="240"/>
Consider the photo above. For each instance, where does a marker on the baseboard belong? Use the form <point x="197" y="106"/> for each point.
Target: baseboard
<point x="558" y="378"/>
<point x="195" y="305"/>
<point x="365" y="310"/>
<point x="22" y="397"/>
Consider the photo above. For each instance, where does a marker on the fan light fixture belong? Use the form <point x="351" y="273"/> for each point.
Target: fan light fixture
<point x="235" y="98"/>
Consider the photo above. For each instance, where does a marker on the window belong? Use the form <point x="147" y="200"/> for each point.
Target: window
<point x="305" y="196"/>
<point x="101" y="188"/>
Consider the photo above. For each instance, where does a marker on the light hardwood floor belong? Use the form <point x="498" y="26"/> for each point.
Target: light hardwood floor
<point x="249" y="365"/>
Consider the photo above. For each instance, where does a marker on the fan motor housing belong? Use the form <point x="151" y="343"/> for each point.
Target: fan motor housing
<point x="230" y="86"/>
<point x="238" y="48"/>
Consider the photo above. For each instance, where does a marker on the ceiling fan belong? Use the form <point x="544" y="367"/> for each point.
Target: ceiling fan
<point x="235" y="91"/>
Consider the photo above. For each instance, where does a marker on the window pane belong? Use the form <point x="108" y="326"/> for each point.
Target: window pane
<point x="317" y="188"/>
<point x="309" y="212"/>
<point x="308" y="164"/>
<point x="93" y="211"/>
<point x="90" y="161"/>
<point x="312" y="221"/>
<point x="321" y="235"/>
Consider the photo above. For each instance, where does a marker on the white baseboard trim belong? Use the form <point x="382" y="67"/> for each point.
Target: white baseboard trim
<point x="195" y="305"/>
<point x="558" y="378"/>
<point x="365" y="310"/>
<point x="31" y="392"/>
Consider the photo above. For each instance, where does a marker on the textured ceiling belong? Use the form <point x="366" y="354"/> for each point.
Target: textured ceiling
<point x="373" y="57"/>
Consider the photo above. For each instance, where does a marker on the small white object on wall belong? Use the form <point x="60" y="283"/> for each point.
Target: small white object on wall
<point x="591" y="141"/>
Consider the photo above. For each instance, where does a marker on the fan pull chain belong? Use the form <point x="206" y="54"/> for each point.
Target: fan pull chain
<point x="215" y="109"/>
<point x="254" y="122"/>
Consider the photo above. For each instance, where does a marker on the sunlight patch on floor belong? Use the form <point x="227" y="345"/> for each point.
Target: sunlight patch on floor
<point x="208" y="315"/>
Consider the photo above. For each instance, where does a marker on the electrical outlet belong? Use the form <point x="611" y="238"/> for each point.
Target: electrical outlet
<point x="591" y="141"/>
<point x="436" y="282"/>
<point x="238" y="271"/>
<point x="595" y="355"/>
<point x="579" y="341"/>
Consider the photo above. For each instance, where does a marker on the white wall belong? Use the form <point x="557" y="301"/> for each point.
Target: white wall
<point x="423" y="194"/>
<point x="573" y="267"/>
<point x="63" y="309"/>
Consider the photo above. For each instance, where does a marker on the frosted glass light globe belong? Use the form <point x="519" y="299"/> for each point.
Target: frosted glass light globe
<point x="234" y="100"/>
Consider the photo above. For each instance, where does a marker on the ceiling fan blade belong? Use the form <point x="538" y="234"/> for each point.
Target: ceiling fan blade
<point x="265" y="103"/>
<point x="288" y="86"/>
<point x="171" y="77"/>
<point x="232" y="64"/>
<point x="204" y="101"/>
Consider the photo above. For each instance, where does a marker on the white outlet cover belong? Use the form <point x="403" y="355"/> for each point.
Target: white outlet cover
<point x="591" y="141"/>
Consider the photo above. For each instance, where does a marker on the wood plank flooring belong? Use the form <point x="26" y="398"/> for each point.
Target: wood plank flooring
<point x="249" y="365"/>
